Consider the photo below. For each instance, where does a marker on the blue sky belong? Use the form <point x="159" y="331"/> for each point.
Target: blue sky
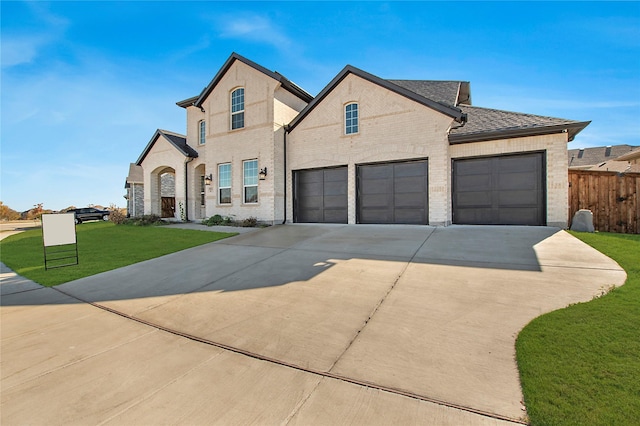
<point x="86" y="84"/>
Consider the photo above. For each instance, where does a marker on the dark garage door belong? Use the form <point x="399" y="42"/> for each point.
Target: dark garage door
<point x="505" y="190"/>
<point x="393" y="193"/>
<point x="321" y="195"/>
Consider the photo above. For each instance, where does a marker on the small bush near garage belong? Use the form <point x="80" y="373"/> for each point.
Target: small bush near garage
<point x="580" y="365"/>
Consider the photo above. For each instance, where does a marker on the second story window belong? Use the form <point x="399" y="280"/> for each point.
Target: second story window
<point x="202" y="132"/>
<point x="237" y="109"/>
<point x="351" y="119"/>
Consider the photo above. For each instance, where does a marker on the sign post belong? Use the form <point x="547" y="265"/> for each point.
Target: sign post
<point x="59" y="240"/>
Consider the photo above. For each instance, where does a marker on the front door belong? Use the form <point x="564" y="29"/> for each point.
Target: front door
<point x="168" y="207"/>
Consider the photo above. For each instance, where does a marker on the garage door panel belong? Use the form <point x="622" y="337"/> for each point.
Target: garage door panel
<point x="376" y="215"/>
<point x="507" y="190"/>
<point x="409" y="200"/>
<point x="476" y="167"/>
<point x="474" y="182"/>
<point x="409" y="169"/>
<point x="408" y="216"/>
<point x="321" y="195"/>
<point x="393" y="193"/>
<point x="520" y="164"/>
<point x="410" y="185"/>
<point x="517" y="198"/>
<point x="474" y="199"/>
<point x="376" y="201"/>
<point x="375" y="186"/>
<point x="334" y="202"/>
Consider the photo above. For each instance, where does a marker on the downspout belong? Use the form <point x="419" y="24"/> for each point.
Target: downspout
<point x="286" y="130"/>
<point x="186" y="188"/>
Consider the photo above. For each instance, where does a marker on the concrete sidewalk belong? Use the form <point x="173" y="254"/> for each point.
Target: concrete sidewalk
<point x="302" y="324"/>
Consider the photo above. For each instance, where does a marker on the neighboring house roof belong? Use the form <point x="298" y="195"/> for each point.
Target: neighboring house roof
<point x="597" y="155"/>
<point x="450" y="93"/>
<point x="612" y="166"/>
<point x="488" y="124"/>
<point x="136" y="175"/>
<point x="449" y="110"/>
<point x="635" y="154"/>
<point x="177" y="140"/>
<point x="284" y="82"/>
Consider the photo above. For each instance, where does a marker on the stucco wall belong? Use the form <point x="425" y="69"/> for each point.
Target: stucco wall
<point x="557" y="178"/>
<point x="392" y="127"/>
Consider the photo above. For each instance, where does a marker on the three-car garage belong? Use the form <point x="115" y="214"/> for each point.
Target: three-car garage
<point x="491" y="190"/>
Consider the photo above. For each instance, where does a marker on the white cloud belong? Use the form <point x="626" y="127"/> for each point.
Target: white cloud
<point x="16" y="51"/>
<point x="254" y="28"/>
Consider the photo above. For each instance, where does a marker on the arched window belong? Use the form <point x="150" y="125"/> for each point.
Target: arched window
<point x="237" y="108"/>
<point x="351" y="118"/>
<point x="202" y="132"/>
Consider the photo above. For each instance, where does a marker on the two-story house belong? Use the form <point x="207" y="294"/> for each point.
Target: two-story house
<point x="364" y="150"/>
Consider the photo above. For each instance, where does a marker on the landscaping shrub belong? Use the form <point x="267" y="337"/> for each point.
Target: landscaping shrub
<point x="216" y="219"/>
<point x="116" y="216"/>
<point x="146" y="220"/>
<point x="250" y="222"/>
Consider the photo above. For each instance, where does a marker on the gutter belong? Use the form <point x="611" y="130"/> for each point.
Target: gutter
<point x="186" y="187"/>
<point x="286" y="130"/>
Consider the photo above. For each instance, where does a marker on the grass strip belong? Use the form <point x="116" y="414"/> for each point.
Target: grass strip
<point x="102" y="246"/>
<point x="581" y="365"/>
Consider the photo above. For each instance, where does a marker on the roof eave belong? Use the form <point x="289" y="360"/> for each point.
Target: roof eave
<point x="187" y="102"/>
<point x="571" y="128"/>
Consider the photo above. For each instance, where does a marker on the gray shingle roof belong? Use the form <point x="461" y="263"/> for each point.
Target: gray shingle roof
<point x="486" y="124"/>
<point x="444" y="92"/>
<point x="596" y="155"/>
<point x="177" y="140"/>
<point x="135" y="174"/>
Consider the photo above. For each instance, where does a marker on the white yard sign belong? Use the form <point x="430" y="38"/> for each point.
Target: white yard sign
<point x="59" y="230"/>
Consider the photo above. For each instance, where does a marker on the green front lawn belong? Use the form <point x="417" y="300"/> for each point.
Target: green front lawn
<point x="581" y="365"/>
<point x="102" y="246"/>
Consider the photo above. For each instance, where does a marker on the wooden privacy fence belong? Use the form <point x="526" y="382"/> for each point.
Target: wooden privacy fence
<point x="612" y="197"/>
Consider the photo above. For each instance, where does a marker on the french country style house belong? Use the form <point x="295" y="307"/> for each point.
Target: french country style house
<point x="364" y="150"/>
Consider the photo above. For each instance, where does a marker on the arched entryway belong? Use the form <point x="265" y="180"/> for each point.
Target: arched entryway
<point x="163" y="192"/>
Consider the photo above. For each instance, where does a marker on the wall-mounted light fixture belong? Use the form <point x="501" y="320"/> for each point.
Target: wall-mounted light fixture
<point x="263" y="174"/>
<point x="208" y="179"/>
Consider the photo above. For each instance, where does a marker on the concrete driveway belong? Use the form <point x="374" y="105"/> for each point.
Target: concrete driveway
<point x="296" y="324"/>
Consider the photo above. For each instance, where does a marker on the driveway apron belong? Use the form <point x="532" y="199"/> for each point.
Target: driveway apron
<point x="382" y="324"/>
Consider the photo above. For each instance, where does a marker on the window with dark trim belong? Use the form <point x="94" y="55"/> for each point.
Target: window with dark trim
<point x="202" y="132"/>
<point x="250" y="181"/>
<point x="224" y="183"/>
<point x="237" y="108"/>
<point x="351" y="119"/>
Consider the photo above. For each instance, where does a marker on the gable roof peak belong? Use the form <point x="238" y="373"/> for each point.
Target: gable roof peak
<point x="178" y="140"/>
<point x="284" y="82"/>
<point x="448" y="110"/>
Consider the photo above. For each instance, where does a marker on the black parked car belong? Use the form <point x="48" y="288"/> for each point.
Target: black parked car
<point x="89" y="213"/>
